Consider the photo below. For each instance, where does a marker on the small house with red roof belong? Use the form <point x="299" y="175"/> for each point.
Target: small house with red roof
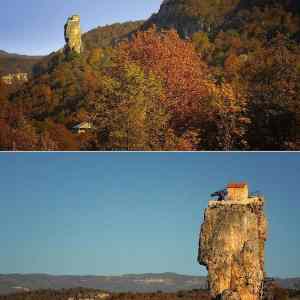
<point x="237" y="191"/>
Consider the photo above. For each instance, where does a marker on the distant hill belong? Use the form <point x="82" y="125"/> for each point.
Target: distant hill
<point x="136" y="283"/>
<point x="105" y="36"/>
<point x="290" y="283"/>
<point x="166" y="282"/>
<point x="14" y="63"/>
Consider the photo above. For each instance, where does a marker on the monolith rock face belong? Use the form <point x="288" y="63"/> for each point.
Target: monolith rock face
<point x="232" y="242"/>
<point x="73" y="35"/>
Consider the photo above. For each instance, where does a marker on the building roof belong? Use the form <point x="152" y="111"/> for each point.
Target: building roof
<point x="84" y="125"/>
<point x="236" y="185"/>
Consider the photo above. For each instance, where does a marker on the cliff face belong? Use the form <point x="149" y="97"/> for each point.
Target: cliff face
<point x="231" y="246"/>
<point x="73" y="35"/>
<point x="210" y="16"/>
<point x="190" y="16"/>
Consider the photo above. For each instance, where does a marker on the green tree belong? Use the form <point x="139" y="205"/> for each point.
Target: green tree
<point x="129" y="112"/>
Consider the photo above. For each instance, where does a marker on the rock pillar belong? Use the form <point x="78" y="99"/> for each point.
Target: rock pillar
<point x="231" y="246"/>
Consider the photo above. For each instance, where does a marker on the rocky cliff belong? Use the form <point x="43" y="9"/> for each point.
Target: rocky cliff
<point x="173" y="15"/>
<point x="231" y="247"/>
<point x="73" y="35"/>
<point x="210" y="16"/>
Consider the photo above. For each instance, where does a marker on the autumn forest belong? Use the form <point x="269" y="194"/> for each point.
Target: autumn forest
<point x="233" y="86"/>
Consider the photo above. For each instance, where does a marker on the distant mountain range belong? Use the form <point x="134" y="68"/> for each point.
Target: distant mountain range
<point x="14" y="63"/>
<point x="166" y="282"/>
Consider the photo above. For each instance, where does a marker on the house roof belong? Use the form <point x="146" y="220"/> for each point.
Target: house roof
<point x="236" y="185"/>
<point x="83" y="125"/>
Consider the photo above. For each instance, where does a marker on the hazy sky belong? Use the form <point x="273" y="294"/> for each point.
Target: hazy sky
<point x="36" y="26"/>
<point x="134" y="213"/>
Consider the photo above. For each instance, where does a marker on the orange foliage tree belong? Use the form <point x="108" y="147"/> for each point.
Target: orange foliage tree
<point x="204" y="113"/>
<point x="176" y="63"/>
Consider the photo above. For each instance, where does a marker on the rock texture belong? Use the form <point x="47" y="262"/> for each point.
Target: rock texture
<point x="231" y="246"/>
<point x="73" y="35"/>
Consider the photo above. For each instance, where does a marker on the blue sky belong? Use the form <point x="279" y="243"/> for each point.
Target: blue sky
<point x="133" y="213"/>
<point x="36" y="26"/>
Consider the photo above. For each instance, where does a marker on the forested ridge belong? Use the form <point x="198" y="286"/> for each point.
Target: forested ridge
<point x="234" y="87"/>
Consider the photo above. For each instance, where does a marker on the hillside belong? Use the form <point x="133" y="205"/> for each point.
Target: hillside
<point x="219" y="88"/>
<point x="14" y="63"/>
<point x="190" y="16"/>
<point x="106" y="36"/>
<point x="291" y="5"/>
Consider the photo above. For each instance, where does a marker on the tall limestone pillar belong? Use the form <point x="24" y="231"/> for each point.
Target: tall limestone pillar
<point x="73" y="35"/>
<point x="232" y="242"/>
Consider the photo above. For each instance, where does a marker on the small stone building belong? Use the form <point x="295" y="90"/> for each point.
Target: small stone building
<point x="237" y="192"/>
<point x="83" y="127"/>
